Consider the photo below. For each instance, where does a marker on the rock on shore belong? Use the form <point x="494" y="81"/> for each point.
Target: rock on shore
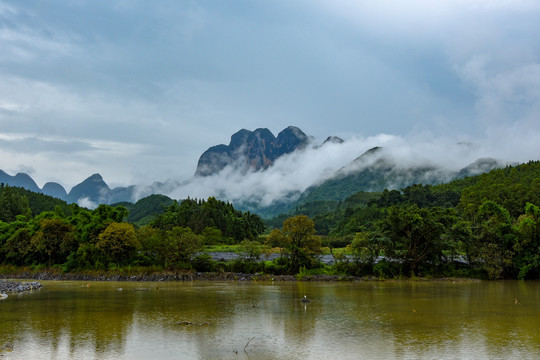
<point x="17" y="287"/>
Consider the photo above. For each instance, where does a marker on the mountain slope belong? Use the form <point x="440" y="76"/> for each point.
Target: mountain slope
<point x="376" y="170"/>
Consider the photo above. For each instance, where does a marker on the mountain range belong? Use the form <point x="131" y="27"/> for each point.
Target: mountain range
<point x="259" y="152"/>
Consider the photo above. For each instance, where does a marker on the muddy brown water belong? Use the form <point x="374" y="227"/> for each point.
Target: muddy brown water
<point x="266" y="320"/>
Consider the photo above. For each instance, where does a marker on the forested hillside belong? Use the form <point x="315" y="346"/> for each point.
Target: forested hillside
<point x="146" y="209"/>
<point x="19" y="201"/>
<point x="73" y="237"/>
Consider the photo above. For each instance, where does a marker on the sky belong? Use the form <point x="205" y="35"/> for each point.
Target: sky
<point x="138" y="90"/>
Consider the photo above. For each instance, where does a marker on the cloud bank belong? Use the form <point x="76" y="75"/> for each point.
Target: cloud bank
<point x="293" y="173"/>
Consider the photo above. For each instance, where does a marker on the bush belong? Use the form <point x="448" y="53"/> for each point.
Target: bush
<point x="204" y="263"/>
<point x="387" y="269"/>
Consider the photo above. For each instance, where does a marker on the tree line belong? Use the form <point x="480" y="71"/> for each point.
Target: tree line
<point x="484" y="226"/>
<point x="74" y="237"/>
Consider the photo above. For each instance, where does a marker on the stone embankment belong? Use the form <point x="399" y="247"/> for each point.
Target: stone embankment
<point x="160" y="276"/>
<point x="17" y="287"/>
<point x="176" y="276"/>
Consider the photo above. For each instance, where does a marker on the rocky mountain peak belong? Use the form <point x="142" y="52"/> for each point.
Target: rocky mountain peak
<point x="251" y="150"/>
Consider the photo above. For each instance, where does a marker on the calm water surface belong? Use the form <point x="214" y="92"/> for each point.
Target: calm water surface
<point x="368" y="320"/>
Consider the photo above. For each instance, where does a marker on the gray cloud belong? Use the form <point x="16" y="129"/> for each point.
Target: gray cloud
<point x="137" y="91"/>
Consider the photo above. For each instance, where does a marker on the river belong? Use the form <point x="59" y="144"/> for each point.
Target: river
<point x="266" y="320"/>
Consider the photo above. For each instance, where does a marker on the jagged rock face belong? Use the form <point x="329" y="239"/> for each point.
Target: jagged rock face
<point x="288" y="140"/>
<point x="251" y="150"/>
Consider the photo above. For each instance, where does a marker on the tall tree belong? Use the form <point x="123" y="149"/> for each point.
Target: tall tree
<point x="117" y="242"/>
<point x="527" y="245"/>
<point x="298" y="233"/>
<point x="495" y="238"/>
<point x="415" y="234"/>
<point x="55" y="238"/>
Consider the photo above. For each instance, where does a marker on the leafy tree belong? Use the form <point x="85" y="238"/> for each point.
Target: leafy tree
<point x="463" y="239"/>
<point x="212" y="235"/>
<point x="90" y="224"/>
<point x="117" y="242"/>
<point x="301" y="244"/>
<point x="251" y="249"/>
<point x="366" y="247"/>
<point x="527" y="245"/>
<point x="389" y="198"/>
<point x="181" y="244"/>
<point x="17" y="247"/>
<point x="152" y="245"/>
<point x="55" y="238"/>
<point x="495" y="238"/>
<point x="414" y="235"/>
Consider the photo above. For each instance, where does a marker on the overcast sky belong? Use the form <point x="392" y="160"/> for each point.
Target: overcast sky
<point x="137" y="90"/>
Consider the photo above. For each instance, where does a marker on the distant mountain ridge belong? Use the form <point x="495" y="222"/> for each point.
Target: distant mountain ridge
<point x="257" y="151"/>
<point x="21" y="180"/>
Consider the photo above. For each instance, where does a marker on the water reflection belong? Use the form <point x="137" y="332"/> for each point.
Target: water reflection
<point x="343" y="320"/>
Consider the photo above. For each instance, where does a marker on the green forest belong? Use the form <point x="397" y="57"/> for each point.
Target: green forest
<point x="485" y="226"/>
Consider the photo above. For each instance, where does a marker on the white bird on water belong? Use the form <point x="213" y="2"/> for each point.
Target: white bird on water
<point x="305" y="299"/>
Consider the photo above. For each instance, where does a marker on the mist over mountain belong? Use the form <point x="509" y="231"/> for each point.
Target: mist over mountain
<point x="337" y="168"/>
<point x="90" y="192"/>
<point x="268" y="174"/>
<point x="377" y="169"/>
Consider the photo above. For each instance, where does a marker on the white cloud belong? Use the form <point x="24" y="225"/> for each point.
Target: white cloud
<point x="87" y="203"/>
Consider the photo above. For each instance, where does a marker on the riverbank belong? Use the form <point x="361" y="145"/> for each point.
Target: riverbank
<point x="54" y="274"/>
<point x="167" y="276"/>
<point x="17" y="287"/>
